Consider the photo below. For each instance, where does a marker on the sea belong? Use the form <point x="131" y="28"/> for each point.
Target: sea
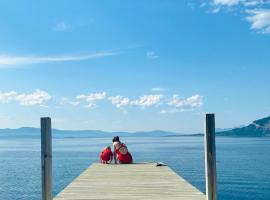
<point x="243" y="164"/>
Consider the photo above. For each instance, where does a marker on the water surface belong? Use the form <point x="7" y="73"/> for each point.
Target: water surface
<point x="243" y="164"/>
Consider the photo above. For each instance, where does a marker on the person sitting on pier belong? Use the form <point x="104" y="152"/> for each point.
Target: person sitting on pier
<point x="121" y="153"/>
<point x="106" y="155"/>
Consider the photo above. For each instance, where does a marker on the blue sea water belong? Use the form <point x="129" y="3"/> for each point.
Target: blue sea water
<point x="243" y="164"/>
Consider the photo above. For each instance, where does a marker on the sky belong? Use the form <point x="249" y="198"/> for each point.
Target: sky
<point x="134" y="65"/>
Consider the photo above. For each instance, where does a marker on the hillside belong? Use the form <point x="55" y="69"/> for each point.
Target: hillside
<point x="35" y="132"/>
<point x="258" y="128"/>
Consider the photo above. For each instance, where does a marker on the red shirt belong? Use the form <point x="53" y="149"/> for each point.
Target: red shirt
<point x="106" y="154"/>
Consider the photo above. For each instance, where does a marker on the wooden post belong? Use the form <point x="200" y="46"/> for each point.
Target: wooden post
<point x="46" y="158"/>
<point x="210" y="157"/>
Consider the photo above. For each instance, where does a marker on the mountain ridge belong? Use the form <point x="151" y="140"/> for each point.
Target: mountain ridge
<point x="35" y="132"/>
<point x="258" y="128"/>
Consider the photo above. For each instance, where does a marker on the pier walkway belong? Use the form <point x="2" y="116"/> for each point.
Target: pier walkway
<point x="144" y="181"/>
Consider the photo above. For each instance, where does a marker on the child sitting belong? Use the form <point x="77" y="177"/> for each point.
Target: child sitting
<point x="106" y="155"/>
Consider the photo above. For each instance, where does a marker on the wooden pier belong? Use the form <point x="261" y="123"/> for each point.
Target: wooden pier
<point x="145" y="181"/>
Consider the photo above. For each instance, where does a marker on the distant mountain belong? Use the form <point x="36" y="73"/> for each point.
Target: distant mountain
<point x="26" y="131"/>
<point x="258" y="128"/>
<point x="56" y="133"/>
<point x="223" y="129"/>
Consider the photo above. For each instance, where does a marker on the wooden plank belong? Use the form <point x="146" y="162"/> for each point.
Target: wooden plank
<point x="210" y="157"/>
<point x="133" y="182"/>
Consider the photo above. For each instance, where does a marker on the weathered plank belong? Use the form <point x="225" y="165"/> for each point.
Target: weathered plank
<point x="132" y="182"/>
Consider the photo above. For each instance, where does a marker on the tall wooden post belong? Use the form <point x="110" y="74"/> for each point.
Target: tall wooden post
<point x="210" y="157"/>
<point x="46" y="158"/>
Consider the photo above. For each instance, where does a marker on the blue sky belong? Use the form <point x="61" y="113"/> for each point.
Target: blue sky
<point x="134" y="65"/>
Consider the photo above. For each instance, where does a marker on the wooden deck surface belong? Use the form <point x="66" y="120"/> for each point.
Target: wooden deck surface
<point x="129" y="182"/>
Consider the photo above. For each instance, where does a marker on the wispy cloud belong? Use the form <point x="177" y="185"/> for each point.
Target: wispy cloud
<point x="6" y="60"/>
<point x="166" y="103"/>
<point x="175" y="110"/>
<point x="259" y="19"/>
<point x="64" y="25"/>
<point x="230" y="3"/>
<point x="119" y="101"/>
<point x="91" y="99"/>
<point x="256" y="12"/>
<point x="151" y="55"/>
<point x="178" y="104"/>
<point x="5" y="97"/>
<point x="172" y="104"/>
<point x="193" y="101"/>
<point x="61" y="26"/>
<point x="38" y="97"/>
<point x="158" y="89"/>
<point x="226" y="2"/>
<point x="148" y="100"/>
<point x="252" y="2"/>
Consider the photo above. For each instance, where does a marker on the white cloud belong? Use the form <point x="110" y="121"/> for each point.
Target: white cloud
<point x="90" y="105"/>
<point x="92" y="98"/>
<point x="120" y="101"/>
<point x="238" y="2"/>
<point x="252" y="2"/>
<point x="158" y="89"/>
<point x="151" y="55"/>
<point x="226" y="2"/>
<point x="176" y="110"/>
<point x="39" y="97"/>
<point x="190" y="102"/>
<point x="259" y="19"/>
<point x="5" y="97"/>
<point x="148" y="100"/>
<point x="168" y="105"/>
<point x="256" y="12"/>
<point x="61" y="27"/>
<point x="23" y="60"/>
<point x="183" y="105"/>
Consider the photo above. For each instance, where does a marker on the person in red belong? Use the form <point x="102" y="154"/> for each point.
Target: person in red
<point x="106" y="155"/>
<point x="121" y="153"/>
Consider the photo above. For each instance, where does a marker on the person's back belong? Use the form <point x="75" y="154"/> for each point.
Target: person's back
<point x="120" y="147"/>
<point x="106" y="155"/>
<point x="121" y="152"/>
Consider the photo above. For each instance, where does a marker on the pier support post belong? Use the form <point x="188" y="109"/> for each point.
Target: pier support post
<point x="46" y="158"/>
<point x="210" y="157"/>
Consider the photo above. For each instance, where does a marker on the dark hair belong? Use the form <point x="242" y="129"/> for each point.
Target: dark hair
<point x="115" y="139"/>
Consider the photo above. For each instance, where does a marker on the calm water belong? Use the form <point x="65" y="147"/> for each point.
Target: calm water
<point x="243" y="163"/>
